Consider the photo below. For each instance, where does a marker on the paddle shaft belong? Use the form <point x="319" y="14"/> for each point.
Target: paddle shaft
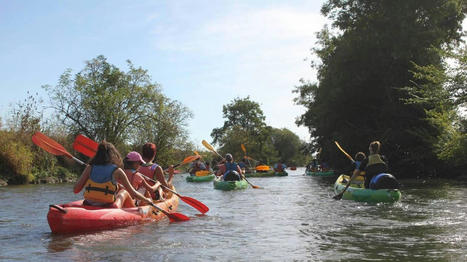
<point x="339" y="196"/>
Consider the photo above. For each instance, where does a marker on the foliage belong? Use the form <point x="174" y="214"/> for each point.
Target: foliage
<point x="124" y="108"/>
<point x="364" y="71"/>
<point x="245" y="125"/>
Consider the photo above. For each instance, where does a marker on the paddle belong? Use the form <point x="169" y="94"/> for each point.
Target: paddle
<point x="339" y="196"/>
<point x="244" y="151"/>
<point x="51" y="146"/>
<point x="191" y="201"/>
<point x="210" y="148"/>
<point x="172" y="216"/>
<point x="88" y="146"/>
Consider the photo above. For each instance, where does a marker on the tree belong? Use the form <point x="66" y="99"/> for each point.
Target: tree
<point x="104" y="102"/>
<point x="360" y="94"/>
<point x="125" y="108"/>
<point x="288" y="146"/>
<point x="244" y="124"/>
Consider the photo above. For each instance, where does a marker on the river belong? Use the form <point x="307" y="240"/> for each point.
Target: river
<point x="292" y="218"/>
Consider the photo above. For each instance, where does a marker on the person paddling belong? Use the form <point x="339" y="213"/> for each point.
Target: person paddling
<point x="373" y="165"/>
<point x="132" y="163"/>
<point x="153" y="170"/>
<point x="279" y="167"/>
<point x="230" y="170"/>
<point x="99" y="180"/>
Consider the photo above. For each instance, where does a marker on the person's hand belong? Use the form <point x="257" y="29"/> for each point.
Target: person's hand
<point x="171" y="169"/>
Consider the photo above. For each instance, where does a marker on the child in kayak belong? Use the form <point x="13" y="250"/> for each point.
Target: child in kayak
<point x="132" y="163"/>
<point x="99" y="180"/>
<point x="154" y="171"/>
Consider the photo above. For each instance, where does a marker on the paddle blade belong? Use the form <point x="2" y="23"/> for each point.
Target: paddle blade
<point x="243" y="148"/>
<point x="177" y="217"/>
<point x="189" y="159"/>
<point x="207" y="145"/>
<point x="49" y="145"/>
<point x="85" y="145"/>
<point x="196" y="153"/>
<point x="195" y="203"/>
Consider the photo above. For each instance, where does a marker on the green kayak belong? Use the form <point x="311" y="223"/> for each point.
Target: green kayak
<point x="365" y="195"/>
<point x="320" y="173"/>
<point x="283" y="173"/>
<point x="260" y="174"/>
<point x="230" y="185"/>
<point x="200" y="178"/>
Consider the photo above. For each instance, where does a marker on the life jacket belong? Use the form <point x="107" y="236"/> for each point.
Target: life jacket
<point x="229" y="174"/>
<point x="148" y="170"/>
<point x="375" y="165"/>
<point x="100" y="186"/>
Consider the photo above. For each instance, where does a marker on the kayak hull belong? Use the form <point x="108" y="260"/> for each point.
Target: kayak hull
<point x="74" y="217"/>
<point x="230" y="185"/>
<point x="267" y="174"/>
<point x="365" y="195"/>
<point x="320" y="173"/>
<point x="198" y="179"/>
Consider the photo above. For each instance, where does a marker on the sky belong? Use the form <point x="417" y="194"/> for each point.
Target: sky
<point x="203" y="53"/>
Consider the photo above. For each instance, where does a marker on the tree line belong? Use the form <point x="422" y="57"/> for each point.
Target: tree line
<point x="127" y="109"/>
<point x="393" y="71"/>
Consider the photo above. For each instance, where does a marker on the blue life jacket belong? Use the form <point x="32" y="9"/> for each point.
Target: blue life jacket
<point x="102" y="173"/>
<point x="230" y="167"/>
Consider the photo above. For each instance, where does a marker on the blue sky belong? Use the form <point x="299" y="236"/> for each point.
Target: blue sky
<point x="203" y="53"/>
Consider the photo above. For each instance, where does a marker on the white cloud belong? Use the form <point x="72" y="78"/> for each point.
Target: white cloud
<point x="264" y="50"/>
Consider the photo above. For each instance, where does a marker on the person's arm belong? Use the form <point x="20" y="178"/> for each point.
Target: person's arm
<point x="221" y="170"/>
<point x="149" y="187"/>
<point x="171" y="175"/>
<point x="82" y="179"/>
<point x="159" y="175"/>
<point x="120" y="175"/>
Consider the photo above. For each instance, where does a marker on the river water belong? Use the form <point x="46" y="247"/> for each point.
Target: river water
<point x="293" y="218"/>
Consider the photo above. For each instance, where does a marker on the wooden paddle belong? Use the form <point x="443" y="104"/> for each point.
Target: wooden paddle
<point x="51" y="146"/>
<point x="211" y="148"/>
<point x="88" y="145"/>
<point x="339" y="196"/>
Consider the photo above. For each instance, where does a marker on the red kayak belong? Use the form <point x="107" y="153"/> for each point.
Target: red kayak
<point x="74" y="217"/>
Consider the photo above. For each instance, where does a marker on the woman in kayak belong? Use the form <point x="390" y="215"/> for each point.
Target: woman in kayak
<point x="154" y="171"/>
<point x="99" y="180"/>
<point x="279" y="167"/>
<point x="373" y="165"/>
<point x="132" y="163"/>
<point x="230" y="170"/>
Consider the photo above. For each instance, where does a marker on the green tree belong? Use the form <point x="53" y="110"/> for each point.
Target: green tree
<point x="360" y="94"/>
<point x="244" y="124"/>
<point x="125" y="108"/>
<point x="288" y="146"/>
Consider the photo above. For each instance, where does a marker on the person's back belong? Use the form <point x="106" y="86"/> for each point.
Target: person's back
<point x="374" y="164"/>
<point x="232" y="171"/>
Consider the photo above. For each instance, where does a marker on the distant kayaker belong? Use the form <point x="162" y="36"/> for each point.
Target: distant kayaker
<point x="153" y="170"/>
<point x="132" y="163"/>
<point x="230" y="170"/>
<point x="373" y="165"/>
<point x="99" y="180"/>
<point x="197" y="166"/>
<point x="279" y="167"/>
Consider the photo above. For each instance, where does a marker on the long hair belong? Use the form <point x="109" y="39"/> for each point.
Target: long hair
<point x="106" y="154"/>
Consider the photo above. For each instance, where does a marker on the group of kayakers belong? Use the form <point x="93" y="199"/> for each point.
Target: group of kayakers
<point x="109" y="180"/>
